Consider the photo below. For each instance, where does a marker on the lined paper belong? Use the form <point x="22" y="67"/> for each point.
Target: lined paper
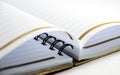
<point x="27" y="52"/>
<point x="14" y="22"/>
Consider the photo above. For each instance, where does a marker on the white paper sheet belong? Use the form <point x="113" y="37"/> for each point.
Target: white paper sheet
<point x="75" y="16"/>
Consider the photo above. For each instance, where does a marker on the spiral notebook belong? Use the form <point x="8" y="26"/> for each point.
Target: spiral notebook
<point x="29" y="45"/>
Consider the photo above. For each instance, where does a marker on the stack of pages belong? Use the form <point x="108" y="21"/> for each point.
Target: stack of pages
<point x="29" y="45"/>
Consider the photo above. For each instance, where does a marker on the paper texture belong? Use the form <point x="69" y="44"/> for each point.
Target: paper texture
<point x="74" y="16"/>
<point x="14" y="22"/>
<point x="30" y="51"/>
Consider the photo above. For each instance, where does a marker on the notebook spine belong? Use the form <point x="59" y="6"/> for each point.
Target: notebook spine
<point x="52" y="45"/>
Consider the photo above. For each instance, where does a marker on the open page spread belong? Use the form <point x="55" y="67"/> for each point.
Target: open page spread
<point x="27" y="41"/>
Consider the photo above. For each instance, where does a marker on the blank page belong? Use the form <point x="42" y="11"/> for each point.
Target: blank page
<point x="14" y="22"/>
<point x="75" y="16"/>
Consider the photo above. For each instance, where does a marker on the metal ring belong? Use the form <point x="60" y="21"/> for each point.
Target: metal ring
<point x="54" y="43"/>
<point x="38" y="36"/>
<point x="46" y="39"/>
<point x="63" y="47"/>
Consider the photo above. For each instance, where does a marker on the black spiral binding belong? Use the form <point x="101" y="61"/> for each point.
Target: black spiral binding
<point x="53" y="43"/>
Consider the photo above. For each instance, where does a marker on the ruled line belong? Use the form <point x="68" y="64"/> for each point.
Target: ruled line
<point x="27" y="63"/>
<point x="97" y="26"/>
<point x="105" y="41"/>
<point x="22" y="35"/>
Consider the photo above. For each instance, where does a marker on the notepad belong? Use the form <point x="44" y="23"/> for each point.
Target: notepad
<point x="30" y="45"/>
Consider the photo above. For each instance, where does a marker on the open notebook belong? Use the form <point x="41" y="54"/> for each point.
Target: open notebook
<point x="29" y="45"/>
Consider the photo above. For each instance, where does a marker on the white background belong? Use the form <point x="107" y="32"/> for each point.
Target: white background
<point x="108" y="65"/>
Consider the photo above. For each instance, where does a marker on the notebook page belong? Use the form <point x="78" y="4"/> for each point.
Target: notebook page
<point x="75" y="16"/>
<point x="30" y="51"/>
<point x="30" y="57"/>
<point x="14" y="22"/>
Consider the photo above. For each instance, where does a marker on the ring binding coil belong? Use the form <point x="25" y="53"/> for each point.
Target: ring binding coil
<point x="52" y="45"/>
